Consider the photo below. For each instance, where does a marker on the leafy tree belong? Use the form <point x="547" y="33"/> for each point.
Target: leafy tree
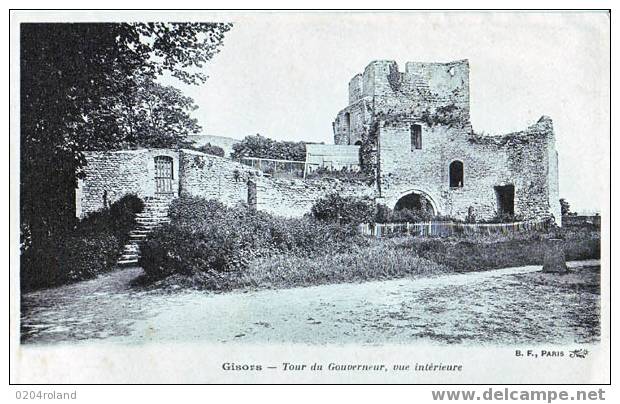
<point x="263" y="147"/>
<point x="211" y="149"/>
<point x="76" y="83"/>
<point x="155" y="115"/>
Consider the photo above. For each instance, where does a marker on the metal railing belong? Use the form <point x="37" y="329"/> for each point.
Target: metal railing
<point x="278" y="167"/>
<point x="446" y="229"/>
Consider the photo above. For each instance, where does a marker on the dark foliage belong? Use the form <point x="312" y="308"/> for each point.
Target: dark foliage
<point x="263" y="147"/>
<point x="339" y="209"/>
<point x="91" y="248"/>
<point x="207" y="237"/>
<point x="387" y="215"/>
<point x="343" y="174"/>
<point x="211" y="149"/>
<point x="565" y="207"/>
<point x="155" y="116"/>
<point x="77" y="81"/>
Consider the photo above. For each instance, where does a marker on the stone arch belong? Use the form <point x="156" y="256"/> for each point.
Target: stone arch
<point x="412" y="194"/>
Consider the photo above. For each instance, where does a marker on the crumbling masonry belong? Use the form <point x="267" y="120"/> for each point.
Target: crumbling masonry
<point x="413" y="135"/>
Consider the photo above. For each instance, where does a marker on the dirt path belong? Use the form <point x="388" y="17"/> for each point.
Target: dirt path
<point x="499" y="306"/>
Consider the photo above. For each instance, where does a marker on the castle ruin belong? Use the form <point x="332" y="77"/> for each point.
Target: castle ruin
<point x="410" y="131"/>
<point x="414" y="132"/>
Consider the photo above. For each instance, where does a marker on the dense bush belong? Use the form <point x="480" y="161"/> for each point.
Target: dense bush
<point x="208" y="245"/>
<point x="211" y="149"/>
<point x="339" y="209"/>
<point x="206" y="236"/>
<point x="387" y="215"/>
<point x="343" y="174"/>
<point x="91" y="248"/>
<point x="263" y="147"/>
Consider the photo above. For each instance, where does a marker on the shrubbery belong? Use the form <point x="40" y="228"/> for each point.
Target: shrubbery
<point x="210" y="246"/>
<point x="339" y="209"/>
<point x="387" y="215"/>
<point x="343" y="174"/>
<point x="263" y="147"/>
<point x="207" y="237"/>
<point x="211" y="149"/>
<point x="91" y="248"/>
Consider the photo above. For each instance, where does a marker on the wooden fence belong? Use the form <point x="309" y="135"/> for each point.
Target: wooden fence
<point x="445" y="229"/>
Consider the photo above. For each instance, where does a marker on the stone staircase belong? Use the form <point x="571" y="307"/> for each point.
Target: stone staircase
<point x="154" y="214"/>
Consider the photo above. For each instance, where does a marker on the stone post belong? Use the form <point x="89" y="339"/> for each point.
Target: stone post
<point x="555" y="259"/>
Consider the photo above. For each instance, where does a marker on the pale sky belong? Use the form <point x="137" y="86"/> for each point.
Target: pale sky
<point x="285" y="76"/>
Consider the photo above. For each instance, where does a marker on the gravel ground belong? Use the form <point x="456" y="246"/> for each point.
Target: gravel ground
<point x="505" y="306"/>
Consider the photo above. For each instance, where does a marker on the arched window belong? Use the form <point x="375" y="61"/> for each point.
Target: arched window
<point x="456" y="174"/>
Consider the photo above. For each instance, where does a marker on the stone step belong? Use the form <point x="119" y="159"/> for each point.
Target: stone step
<point x="151" y="214"/>
<point x="148" y="223"/>
<point x="148" y="229"/>
<point x="154" y="214"/>
<point x="128" y="262"/>
<point x="150" y="218"/>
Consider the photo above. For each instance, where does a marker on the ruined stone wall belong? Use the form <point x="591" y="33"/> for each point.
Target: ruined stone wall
<point x="225" y="180"/>
<point x="521" y="159"/>
<point x="356" y="88"/>
<point x="295" y="197"/>
<point x="214" y="177"/>
<point x="420" y="92"/>
<point x="348" y="131"/>
<point x="119" y="173"/>
<point x="113" y="174"/>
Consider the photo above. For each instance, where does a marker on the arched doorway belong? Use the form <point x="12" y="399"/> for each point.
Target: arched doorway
<point x="416" y="201"/>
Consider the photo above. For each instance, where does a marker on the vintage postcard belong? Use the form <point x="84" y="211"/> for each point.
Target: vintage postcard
<point x="416" y="197"/>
